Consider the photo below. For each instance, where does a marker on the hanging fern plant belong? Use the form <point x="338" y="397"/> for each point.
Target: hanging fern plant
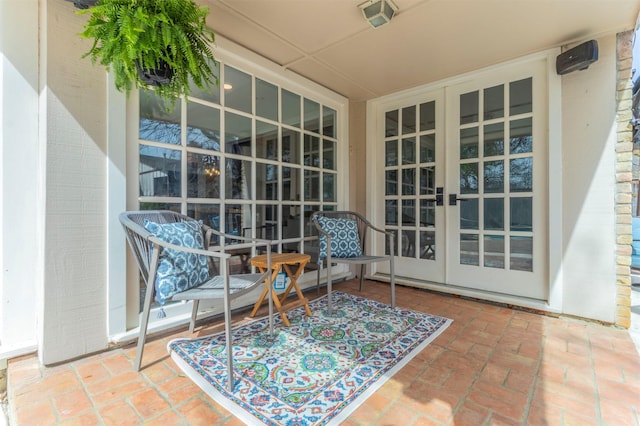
<point x="164" y="44"/>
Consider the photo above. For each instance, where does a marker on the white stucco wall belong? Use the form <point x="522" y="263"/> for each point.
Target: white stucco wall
<point x="588" y="161"/>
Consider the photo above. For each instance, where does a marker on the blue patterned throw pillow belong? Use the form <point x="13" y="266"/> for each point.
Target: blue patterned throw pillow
<point x="178" y="271"/>
<point x="345" y="240"/>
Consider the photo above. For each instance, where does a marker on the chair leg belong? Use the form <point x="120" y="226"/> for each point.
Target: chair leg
<point x="229" y="341"/>
<point x="393" y="282"/>
<point x="194" y="315"/>
<point x="144" y="323"/>
<point x="329" y="288"/>
<point x="318" y="281"/>
<point x="361" y="275"/>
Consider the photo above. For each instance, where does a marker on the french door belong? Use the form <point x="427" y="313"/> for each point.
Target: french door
<point x="465" y="183"/>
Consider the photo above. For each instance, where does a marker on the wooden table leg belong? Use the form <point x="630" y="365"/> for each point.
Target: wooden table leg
<point x="274" y="297"/>
<point x="294" y="284"/>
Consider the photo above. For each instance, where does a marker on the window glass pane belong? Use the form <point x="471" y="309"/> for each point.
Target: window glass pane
<point x="521" y="175"/>
<point x="238" y="179"/>
<point x="211" y="93"/>
<point x="329" y="187"/>
<point x="311" y="116"/>
<point x="239" y="92"/>
<point x="408" y="120"/>
<point x="203" y="126"/>
<point x="203" y="175"/>
<point x="329" y="155"/>
<point x="521" y="254"/>
<point x="469" y="250"/>
<point x="290" y="146"/>
<point x="311" y="151"/>
<point x="266" y="141"/>
<point x="156" y="124"/>
<point x="290" y="108"/>
<point x="291" y="223"/>
<point x="328" y="122"/>
<point x="311" y="185"/>
<point x="267" y="220"/>
<point x="427" y="213"/>
<point x="266" y="181"/>
<point x="160" y="171"/>
<point x="520" y="97"/>
<point x="469" y="107"/>
<point x="469" y="143"/>
<point x="387" y="246"/>
<point x="391" y="123"/>
<point x="391" y="212"/>
<point x="494" y="214"/>
<point x="409" y="151"/>
<point x="494" y="251"/>
<point x="469" y="178"/>
<point x="408" y="243"/>
<point x="494" y="139"/>
<point x="428" y="245"/>
<point x="174" y="207"/>
<point x="266" y="100"/>
<point x="237" y="217"/>
<point x="521" y="136"/>
<point x="493" y="177"/>
<point x="427" y="116"/>
<point x="521" y="214"/>
<point x="391" y="153"/>
<point x="408" y="181"/>
<point x="408" y="213"/>
<point x="209" y="214"/>
<point x="469" y="214"/>
<point x="391" y="182"/>
<point x="290" y="184"/>
<point x="237" y="134"/>
<point x="427" y="148"/>
<point x="494" y="102"/>
<point x="427" y="180"/>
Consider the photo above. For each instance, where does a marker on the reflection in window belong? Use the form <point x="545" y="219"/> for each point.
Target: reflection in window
<point x="203" y="126"/>
<point x="520" y="96"/>
<point x="469" y="107"/>
<point x="238" y="179"/>
<point x="391" y="212"/>
<point x="159" y="171"/>
<point x="520" y="136"/>
<point x="311" y="151"/>
<point x="494" y="214"/>
<point x="521" y="174"/>
<point x="391" y="153"/>
<point x="203" y="175"/>
<point x="391" y="123"/>
<point x="266" y="181"/>
<point x="311" y="116"/>
<point x="329" y="154"/>
<point x="493" y="176"/>
<point x="237" y="134"/>
<point x="521" y="253"/>
<point x="494" y="102"/>
<point x="427" y="148"/>
<point x="469" y="143"/>
<point x="469" y="178"/>
<point x="238" y="95"/>
<point x="266" y="100"/>
<point x="469" y="217"/>
<point x="266" y="141"/>
<point x="329" y="122"/>
<point x="493" y="139"/>
<point x="521" y="213"/>
<point x="469" y="249"/>
<point x="290" y="108"/>
<point x="409" y="181"/>
<point x="291" y="146"/>
<point x="428" y="116"/>
<point x="408" y="212"/>
<point x="494" y="251"/>
<point x="408" y="120"/>
<point x="156" y="123"/>
<point x="409" y="151"/>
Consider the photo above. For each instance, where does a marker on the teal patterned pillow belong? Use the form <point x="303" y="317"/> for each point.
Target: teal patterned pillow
<point x="345" y="240"/>
<point x="178" y="271"/>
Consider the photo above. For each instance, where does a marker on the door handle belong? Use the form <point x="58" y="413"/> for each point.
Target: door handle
<point x="453" y="199"/>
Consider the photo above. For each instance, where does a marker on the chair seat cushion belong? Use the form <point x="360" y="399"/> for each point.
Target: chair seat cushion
<point x="177" y="270"/>
<point x="345" y="240"/>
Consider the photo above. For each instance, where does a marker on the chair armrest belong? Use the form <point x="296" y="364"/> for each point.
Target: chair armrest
<point x="158" y="242"/>
<point x="249" y="242"/>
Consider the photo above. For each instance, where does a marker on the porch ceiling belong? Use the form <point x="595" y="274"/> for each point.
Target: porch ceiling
<point x="329" y="42"/>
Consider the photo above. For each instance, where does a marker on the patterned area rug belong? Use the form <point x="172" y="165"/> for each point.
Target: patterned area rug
<point x="315" y="372"/>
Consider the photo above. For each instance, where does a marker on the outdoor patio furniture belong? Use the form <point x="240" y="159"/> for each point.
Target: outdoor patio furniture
<point x="178" y="261"/>
<point x="342" y="239"/>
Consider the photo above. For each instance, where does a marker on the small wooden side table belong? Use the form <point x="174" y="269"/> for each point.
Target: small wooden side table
<point x="283" y="261"/>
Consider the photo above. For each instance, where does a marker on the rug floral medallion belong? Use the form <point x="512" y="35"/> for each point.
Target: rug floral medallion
<point x="315" y="372"/>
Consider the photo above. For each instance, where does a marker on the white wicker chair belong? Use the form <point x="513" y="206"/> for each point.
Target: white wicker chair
<point x="363" y="227"/>
<point x="220" y="284"/>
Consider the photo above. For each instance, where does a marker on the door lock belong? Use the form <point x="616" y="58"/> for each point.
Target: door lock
<point x="453" y="199"/>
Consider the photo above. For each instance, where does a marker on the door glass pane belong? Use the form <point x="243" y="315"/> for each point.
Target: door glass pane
<point x="521" y="214"/>
<point x="159" y="170"/>
<point x="239" y="95"/>
<point x="469" y="107"/>
<point x="428" y="116"/>
<point x="427" y="180"/>
<point x="494" y="102"/>
<point x="408" y="212"/>
<point x="469" y="178"/>
<point x="212" y="92"/>
<point x="427" y="213"/>
<point x="156" y="124"/>
<point x="290" y="108"/>
<point x="203" y="126"/>
<point x="391" y="123"/>
<point x="329" y="187"/>
<point x="469" y="143"/>
<point x="469" y="249"/>
<point x="209" y="214"/>
<point x="521" y="253"/>
<point x="521" y="136"/>
<point x="494" y="214"/>
<point x="494" y="251"/>
<point x="266" y="222"/>
<point x="409" y="151"/>
<point x="311" y="185"/>
<point x="521" y="174"/>
<point x="311" y="151"/>
<point x="290" y="146"/>
<point x="328" y="122"/>
<point x="427" y="148"/>
<point x="391" y="151"/>
<point x="408" y="243"/>
<point x="266" y="141"/>
<point x="311" y="116"/>
<point x="494" y="139"/>
<point x="238" y="179"/>
<point x="391" y="182"/>
<point x="237" y="134"/>
<point x="329" y="155"/>
<point x="266" y="181"/>
<point x="291" y="223"/>
<point x="266" y="100"/>
<point x="290" y="184"/>
<point x="387" y="249"/>
<point x="493" y="177"/>
<point x="520" y="98"/>
<point x="203" y="175"/>
<point x="469" y="214"/>
<point x="428" y="245"/>
<point x="391" y="212"/>
<point x="408" y="181"/>
<point x="408" y="120"/>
